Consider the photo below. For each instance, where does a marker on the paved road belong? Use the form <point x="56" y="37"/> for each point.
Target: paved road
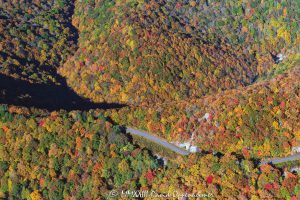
<point x="178" y="150"/>
<point x="281" y="160"/>
<point x="157" y="140"/>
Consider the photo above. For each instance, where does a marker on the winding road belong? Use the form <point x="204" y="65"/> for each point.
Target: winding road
<point x="181" y="151"/>
<point x="157" y="140"/>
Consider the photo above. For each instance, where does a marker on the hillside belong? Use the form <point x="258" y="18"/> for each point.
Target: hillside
<point x="263" y="117"/>
<point x="35" y="38"/>
<point x="221" y="75"/>
<point x="145" y="52"/>
<point x="63" y="155"/>
<point x="78" y="153"/>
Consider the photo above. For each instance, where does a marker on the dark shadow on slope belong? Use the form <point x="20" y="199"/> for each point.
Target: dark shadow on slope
<point x="23" y="56"/>
<point x="46" y="96"/>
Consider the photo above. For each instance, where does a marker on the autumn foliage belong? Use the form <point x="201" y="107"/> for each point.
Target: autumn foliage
<point x="76" y="148"/>
<point x="36" y="37"/>
<point x="201" y="71"/>
<point x="149" y="52"/>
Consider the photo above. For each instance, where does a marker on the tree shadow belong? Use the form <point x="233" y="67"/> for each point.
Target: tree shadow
<point x="46" y="96"/>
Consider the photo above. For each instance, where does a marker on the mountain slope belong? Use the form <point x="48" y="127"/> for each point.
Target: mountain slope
<point x="36" y="37"/>
<point x="78" y="153"/>
<point x="66" y="155"/>
<point x="145" y="52"/>
<point x="263" y="117"/>
<point x="199" y="71"/>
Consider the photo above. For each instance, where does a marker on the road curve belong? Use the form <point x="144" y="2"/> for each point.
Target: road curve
<point x="281" y="160"/>
<point x="178" y="150"/>
<point x="157" y="140"/>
